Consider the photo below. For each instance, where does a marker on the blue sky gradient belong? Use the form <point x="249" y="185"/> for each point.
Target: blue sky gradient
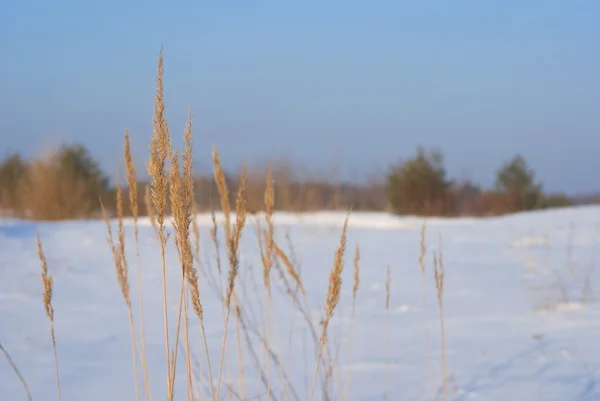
<point x="352" y="85"/>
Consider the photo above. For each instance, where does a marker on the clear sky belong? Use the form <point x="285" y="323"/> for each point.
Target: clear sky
<point x="349" y="84"/>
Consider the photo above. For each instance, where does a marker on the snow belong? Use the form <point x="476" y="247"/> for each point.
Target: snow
<point x="521" y="317"/>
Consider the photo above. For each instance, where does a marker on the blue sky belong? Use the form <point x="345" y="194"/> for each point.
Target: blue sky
<point x="348" y="85"/>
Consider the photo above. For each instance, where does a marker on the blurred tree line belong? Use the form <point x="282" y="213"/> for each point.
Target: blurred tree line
<point x="419" y="186"/>
<point x="69" y="183"/>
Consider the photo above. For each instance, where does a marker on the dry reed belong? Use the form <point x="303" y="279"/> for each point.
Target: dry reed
<point x="150" y="209"/>
<point x="267" y="259"/>
<point x="388" y="290"/>
<point x="189" y="271"/>
<point x="181" y="210"/>
<point x="122" y="270"/>
<point x="214" y="235"/>
<point x="233" y="239"/>
<point x="134" y="207"/>
<point x="15" y="369"/>
<point x="422" y="253"/>
<point x="289" y="266"/>
<point x="160" y="150"/>
<point x="193" y="282"/>
<point x="333" y="297"/>
<point x="241" y="372"/>
<point x="304" y="309"/>
<point x="265" y="237"/>
<point x="438" y="263"/>
<point x="48" y="282"/>
<point x="219" y="176"/>
<point x="355" y="287"/>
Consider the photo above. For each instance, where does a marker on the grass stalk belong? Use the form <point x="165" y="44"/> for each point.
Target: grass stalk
<point x="353" y="316"/>
<point x="15" y="369"/>
<point x="48" y="282"/>
<point x="179" y="222"/>
<point x="438" y="263"/>
<point x="182" y="204"/>
<point x="388" y="290"/>
<point x="133" y="205"/>
<point x="333" y="297"/>
<point x="160" y="149"/>
<point x="422" y="253"/>
<point x="242" y="391"/>
<point x="267" y="260"/>
<point x="195" y="299"/>
<point x="122" y="271"/>
<point x="188" y="353"/>
<point x="233" y="239"/>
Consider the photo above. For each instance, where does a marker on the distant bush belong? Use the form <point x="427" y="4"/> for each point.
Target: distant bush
<point x="515" y="182"/>
<point x="76" y="163"/>
<point x="12" y="170"/>
<point x="419" y="186"/>
<point x="65" y="184"/>
<point x="474" y="201"/>
<point x="556" y="200"/>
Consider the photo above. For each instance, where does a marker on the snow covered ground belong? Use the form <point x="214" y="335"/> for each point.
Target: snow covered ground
<point x="522" y="321"/>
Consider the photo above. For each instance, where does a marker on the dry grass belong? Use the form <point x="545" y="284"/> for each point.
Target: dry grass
<point x="48" y="283"/>
<point x="422" y="252"/>
<point x="355" y="287"/>
<point x="172" y="183"/>
<point x="438" y="264"/>
<point x="122" y="272"/>
<point x="290" y="269"/>
<point x="160" y="150"/>
<point x="388" y="291"/>
<point x="15" y="369"/>
<point x="183" y="204"/>
<point x="267" y="261"/>
<point x="134" y="207"/>
<point x="333" y="297"/>
<point x="232" y="239"/>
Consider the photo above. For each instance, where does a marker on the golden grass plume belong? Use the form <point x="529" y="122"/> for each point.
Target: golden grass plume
<point x="48" y="283"/>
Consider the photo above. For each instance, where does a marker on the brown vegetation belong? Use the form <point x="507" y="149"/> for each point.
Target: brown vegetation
<point x="67" y="184"/>
<point x="62" y="185"/>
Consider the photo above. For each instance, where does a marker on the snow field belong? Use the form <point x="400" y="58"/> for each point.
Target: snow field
<point x="521" y="317"/>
